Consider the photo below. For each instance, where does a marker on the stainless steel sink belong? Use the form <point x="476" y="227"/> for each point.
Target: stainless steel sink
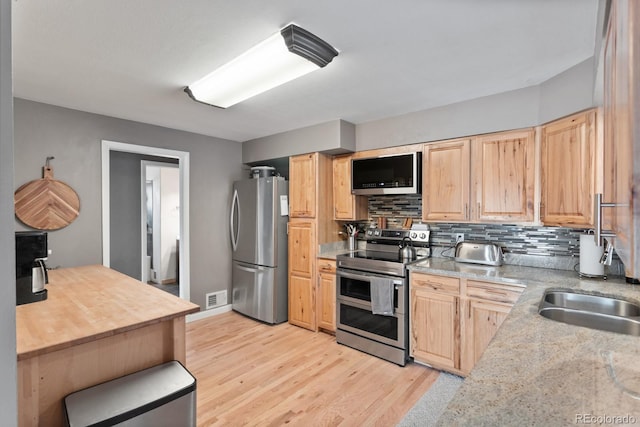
<point x="601" y="312"/>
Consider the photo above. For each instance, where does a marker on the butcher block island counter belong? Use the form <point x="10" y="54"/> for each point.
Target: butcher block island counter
<point x="96" y="325"/>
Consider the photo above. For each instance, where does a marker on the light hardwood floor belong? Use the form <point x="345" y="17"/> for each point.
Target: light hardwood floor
<point x="249" y="373"/>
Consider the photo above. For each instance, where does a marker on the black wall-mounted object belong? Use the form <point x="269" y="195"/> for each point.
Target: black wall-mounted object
<point x="393" y="174"/>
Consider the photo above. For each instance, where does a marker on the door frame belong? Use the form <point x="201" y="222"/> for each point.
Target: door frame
<point x="183" y="168"/>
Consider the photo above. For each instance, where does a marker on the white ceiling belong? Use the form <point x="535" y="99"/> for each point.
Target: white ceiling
<point x="131" y="59"/>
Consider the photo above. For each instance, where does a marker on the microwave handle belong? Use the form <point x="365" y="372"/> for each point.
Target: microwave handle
<point x="360" y="275"/>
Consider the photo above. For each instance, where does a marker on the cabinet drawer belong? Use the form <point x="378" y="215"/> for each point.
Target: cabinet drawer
<point x="326" y="265"/>
<point x="498" y="292"/>
<point x="447" y="285"/>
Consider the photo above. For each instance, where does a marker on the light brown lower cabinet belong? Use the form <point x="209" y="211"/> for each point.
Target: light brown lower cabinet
<point x="326" y="295"/>
<point x="302" y="302"/>
<point x="485" y="305"/>
<point x="435" y="321"/>
<point x="453" y="320"/>
<point x="435" y="337"/>
<point x="302" y="289"/>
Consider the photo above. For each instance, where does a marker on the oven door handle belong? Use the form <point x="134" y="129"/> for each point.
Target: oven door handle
<point x="360" y="275"/>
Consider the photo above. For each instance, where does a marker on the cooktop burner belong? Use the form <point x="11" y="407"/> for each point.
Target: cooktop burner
<point x="377" y="255"/>
<point x="382" y="254"/>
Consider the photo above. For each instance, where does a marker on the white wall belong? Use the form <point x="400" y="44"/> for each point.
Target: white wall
<point x="169" y="221"/>
<point x="8" y="376"/>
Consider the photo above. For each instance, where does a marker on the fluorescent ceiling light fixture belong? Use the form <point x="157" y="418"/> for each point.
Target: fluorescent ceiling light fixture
<point x="285" y="56"/>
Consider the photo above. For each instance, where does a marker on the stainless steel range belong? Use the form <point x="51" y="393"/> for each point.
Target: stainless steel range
<point x="372" y="298"/>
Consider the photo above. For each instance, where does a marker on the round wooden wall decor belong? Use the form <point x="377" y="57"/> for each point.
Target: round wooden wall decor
<point x="46" y="204"/>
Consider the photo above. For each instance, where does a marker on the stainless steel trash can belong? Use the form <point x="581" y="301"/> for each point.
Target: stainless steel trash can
<point x="164" y="395"/>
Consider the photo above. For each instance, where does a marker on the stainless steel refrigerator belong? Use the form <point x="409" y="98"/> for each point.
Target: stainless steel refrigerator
<point x="258" y="220"/>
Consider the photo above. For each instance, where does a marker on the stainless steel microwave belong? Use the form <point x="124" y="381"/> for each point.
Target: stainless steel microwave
<point x="392" y="174"/>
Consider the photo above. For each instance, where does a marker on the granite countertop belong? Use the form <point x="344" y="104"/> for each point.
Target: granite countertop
<point x="538" y="371"/>
<point x="332" y="254"/>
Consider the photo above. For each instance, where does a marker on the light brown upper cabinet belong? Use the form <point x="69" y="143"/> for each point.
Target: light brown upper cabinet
<point x="622" y="131"/>
<point x="487" y="178"/>
<point x="445" y="181"/>
<point x="303" y="189"/>
<point x="503" y="176"/>
<point x="568" y="170"/>
<point x="346" y="206"/>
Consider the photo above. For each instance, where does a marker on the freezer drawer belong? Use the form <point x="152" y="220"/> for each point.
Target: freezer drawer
<point x="259" y="292"/>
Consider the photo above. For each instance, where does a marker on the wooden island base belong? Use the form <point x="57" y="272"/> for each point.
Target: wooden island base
<point x="96" y="325"/>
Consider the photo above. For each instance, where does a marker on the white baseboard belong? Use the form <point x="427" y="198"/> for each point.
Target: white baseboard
<point x="208" y="313"/>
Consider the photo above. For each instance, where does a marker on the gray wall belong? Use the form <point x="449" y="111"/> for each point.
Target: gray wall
<point x="8" y="376"/>
<point x="74" y="138"/>
<point x="509" y="110"/>
<point x="336" y="136"/>
<point x="566" y="93"/>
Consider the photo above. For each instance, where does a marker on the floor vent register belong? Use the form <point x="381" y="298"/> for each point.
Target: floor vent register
<point x="216" y="299"/>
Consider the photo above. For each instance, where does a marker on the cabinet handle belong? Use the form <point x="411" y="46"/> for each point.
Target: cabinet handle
<point x="466" y="211"/>
<point x="496" y="292"/>
<point x="541" y="210"/>
<point x="478" y="215"/>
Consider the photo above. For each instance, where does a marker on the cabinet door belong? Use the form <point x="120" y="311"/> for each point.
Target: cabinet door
<point x="302" y="302"/>
<point x="346" y="205"/>
<point x="301" y="248"/>
<point x="435" y="331"/>
<point x="326" y="293"/>
<point x="568" y="171"/>
<point x="482" y="320"/>
<point x="302" y="186"/>
<point x="503" y="176"/>
<point x="446" y="181"/>
<point x="302" y="274"/>
<point x="622" y="129"/>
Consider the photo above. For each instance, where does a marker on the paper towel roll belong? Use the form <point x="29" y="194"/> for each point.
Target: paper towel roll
<point x="590" y="255"/>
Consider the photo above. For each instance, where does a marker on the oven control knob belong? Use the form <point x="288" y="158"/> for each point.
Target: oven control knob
<point x="413" y="235"/>
<point x="376" y="232"/>
<point x="423" y="236"/>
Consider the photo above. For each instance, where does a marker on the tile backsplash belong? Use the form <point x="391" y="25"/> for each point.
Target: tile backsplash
<point x="517" y="241"/>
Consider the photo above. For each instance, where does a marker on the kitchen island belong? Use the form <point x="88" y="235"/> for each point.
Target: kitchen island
<point x="538" y="371"/>
<point x="96" y="325"/>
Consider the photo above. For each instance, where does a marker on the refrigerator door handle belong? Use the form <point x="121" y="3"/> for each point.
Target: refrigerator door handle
<point x="232" y="225"/>
<point x="252" y="269"/>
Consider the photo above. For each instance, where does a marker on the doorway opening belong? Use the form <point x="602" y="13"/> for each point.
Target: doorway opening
<point x="160" y="214"/>
<point x="111" y="245"/>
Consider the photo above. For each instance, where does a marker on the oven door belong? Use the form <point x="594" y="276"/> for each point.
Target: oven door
<point x="355" y="286"/>
<point x="358" y="319"/>
<point x="353" y="309"/>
